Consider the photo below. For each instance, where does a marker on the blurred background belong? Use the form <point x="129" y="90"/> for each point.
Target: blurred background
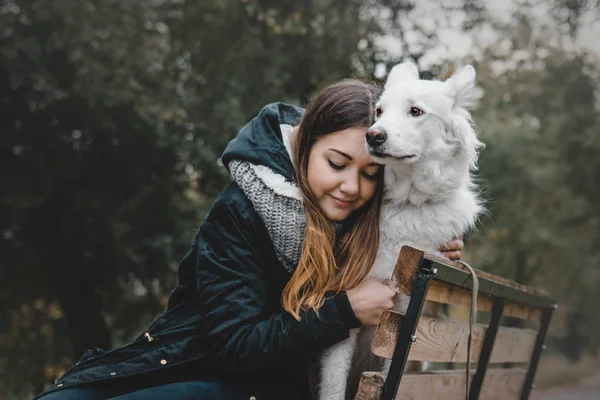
<point x="113" y="115"/>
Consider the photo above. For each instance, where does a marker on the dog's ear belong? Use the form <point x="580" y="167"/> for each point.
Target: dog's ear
<point x="402" y="72"/>
<point x="462" y="87"/>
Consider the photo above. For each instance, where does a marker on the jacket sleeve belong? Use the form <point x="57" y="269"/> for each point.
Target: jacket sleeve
<point x="233" y="285"/>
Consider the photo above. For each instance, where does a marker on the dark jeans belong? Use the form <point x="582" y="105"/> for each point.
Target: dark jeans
<point x="197" y="390"/>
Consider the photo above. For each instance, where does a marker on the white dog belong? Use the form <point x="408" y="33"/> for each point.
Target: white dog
<point x="424" y="137"/>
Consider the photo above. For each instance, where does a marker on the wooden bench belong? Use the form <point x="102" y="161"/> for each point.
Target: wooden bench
<point x="401" y="338"/>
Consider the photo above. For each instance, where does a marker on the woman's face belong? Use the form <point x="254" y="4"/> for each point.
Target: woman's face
<point x="341" y="174"/>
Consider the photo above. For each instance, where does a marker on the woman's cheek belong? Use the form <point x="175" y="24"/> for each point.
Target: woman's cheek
<point x="369" y="188"/>
<point x="318" y="181"/>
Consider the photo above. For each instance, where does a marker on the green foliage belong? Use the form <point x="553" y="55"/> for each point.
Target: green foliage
<point x="539" y="117"/>
<point x="84" y="165"/>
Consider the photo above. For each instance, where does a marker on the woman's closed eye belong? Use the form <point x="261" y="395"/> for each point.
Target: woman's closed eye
<point x="372" y="177"/>
<point x="339" y="167"/>
<point x="335" y="166"/>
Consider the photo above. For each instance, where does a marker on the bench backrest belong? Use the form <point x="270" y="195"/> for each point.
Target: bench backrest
<point x="414" y="337"/>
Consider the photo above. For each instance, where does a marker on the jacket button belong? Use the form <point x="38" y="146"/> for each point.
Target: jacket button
<point x="113" y="373"/>
<point x="252" y="398"/>
<point x="163" y="362"/>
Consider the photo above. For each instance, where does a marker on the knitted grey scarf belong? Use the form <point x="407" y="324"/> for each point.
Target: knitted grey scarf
<point x="279" y="205"/>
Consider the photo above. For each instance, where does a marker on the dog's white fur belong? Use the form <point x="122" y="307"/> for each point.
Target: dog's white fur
<point x="430" y="197"/>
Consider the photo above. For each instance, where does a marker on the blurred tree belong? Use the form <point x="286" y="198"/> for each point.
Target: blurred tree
<point x="84" y="165"/>
<point x="537" y="116"/>
<point x="405" y="29"/>
<point x="569" y="13"/>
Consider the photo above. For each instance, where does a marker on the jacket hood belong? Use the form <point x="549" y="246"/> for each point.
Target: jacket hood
<point x="260" y="162"/>
<point x="264" y="141"/>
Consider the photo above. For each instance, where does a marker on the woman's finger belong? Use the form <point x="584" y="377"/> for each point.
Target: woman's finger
<point x="452" y="255"/>
<point x="453" y="245"/>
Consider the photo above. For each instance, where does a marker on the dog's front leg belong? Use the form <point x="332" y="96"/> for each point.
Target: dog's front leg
<point x="336" y="362"/>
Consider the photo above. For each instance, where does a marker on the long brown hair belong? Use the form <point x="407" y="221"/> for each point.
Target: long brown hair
<point x="330" y="264"/>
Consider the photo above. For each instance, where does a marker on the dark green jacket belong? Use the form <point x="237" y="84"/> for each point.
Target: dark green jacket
<point x="224" y="320"/>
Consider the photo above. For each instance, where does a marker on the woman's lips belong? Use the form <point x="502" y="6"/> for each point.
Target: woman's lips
<point x="341" y="203"/>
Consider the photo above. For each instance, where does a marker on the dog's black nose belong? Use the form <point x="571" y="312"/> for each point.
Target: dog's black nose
<point x="376" y="137"/>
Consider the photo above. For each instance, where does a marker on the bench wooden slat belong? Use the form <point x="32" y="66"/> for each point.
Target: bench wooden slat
<point x="488" y="276"/>
<point x="446" y="341"/>
<point x="442" y="292"/>
<point x="409" y="261"/>
<point x="500" y="384"/>
<point x="370" y="386"/>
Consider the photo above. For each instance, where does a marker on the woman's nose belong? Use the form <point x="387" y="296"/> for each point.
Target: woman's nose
<point x="350" y="186"/>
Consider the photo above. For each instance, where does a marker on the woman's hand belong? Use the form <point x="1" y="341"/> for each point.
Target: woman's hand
<point x="452" y="249"/>
<point x="369" y="300"/>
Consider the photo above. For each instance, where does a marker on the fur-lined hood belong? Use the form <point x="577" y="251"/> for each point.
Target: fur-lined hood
<point x="265" y="143"/>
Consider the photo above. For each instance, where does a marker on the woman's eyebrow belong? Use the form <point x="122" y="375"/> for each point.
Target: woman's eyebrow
<point x="342" y="154"/>
<point x="349" y="157"/>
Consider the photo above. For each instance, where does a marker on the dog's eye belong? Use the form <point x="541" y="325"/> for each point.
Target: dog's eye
<point x="378" y="112"/>
<point x="415" y="112"/>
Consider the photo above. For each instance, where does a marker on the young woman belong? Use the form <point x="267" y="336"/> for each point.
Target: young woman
<point x="273" y="276"/>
